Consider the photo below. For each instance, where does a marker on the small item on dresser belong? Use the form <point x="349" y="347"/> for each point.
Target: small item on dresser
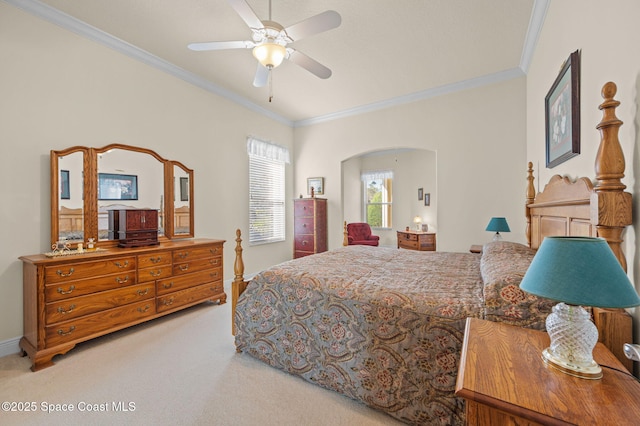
<point x="80" y="248"/>
<point x="91" y="244"/>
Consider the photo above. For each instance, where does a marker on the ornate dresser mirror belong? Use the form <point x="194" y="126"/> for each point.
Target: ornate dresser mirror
<point x="88" y="182"/>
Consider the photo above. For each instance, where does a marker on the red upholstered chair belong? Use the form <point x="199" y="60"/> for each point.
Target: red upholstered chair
<point x="359" y="233"/>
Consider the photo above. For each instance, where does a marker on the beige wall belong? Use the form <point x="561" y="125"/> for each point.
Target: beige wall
<point x="607" y="34"/>
<point x="478" y="136"/>
<point x="60" y="90"/>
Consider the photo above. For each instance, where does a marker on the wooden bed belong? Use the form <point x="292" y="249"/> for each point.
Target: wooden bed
<point x="397" y="350"/>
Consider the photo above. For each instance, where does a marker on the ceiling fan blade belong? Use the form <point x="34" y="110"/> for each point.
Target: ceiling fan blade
<point x="246" y="13"/>
<point x="316" y="24"/>
<point x="262" y="76"/>
<point x="309" y="64"/>
<point x="221" y="45"/>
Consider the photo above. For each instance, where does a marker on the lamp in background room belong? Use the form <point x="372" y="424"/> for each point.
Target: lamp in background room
<point x="418" y="221"/>
<point x="498" y="225"/>
<point x="577" y="272"/>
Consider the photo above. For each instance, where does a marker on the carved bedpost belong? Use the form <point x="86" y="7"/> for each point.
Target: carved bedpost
<point x="610" y="205"/>
<point x="345" y="235"/>
<point x="239" y="284"/>
<point x="531" y="195"/>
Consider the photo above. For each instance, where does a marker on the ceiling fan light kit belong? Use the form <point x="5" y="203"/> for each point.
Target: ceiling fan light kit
<point x="270" y="41"/>
<point x="270" y="55"/>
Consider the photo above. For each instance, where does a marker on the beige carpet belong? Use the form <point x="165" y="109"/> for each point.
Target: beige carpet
<point x="177" y="370"/>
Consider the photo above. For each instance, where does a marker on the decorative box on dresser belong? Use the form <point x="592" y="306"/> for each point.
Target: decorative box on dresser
<point x="310" y="226"/>
<point x="504" y="381"/>
<point x="73" y="298"/>
<point x="134" y="227"/>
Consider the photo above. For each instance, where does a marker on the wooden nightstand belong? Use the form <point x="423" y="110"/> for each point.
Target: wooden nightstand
<point x="476" y="248"/>
<point x="505" y="382"/>
<point x="417" y="240"/>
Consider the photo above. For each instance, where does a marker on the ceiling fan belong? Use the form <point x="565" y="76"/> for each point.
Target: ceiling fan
<point x="271" y="41"/>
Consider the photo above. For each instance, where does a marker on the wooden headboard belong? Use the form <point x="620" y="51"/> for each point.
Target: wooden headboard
<point x="582" y="208"/>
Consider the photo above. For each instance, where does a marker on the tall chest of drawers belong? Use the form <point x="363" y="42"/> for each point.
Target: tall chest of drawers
<point x="71" y="299"/>
<point x="310" y="226"/>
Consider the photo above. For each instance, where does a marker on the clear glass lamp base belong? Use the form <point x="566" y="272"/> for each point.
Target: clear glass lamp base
<point x="573" y="337"/>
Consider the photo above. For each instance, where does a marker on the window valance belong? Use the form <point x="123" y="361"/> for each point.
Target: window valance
<point x="268" y="150"/>
<point x="376" y="175"/>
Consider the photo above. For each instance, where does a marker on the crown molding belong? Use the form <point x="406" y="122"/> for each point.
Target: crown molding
<point x="55" y="16"/>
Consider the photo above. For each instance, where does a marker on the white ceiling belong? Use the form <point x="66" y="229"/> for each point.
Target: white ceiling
<point x="385" y="52"/>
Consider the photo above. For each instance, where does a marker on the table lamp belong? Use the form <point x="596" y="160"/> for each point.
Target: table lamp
<point x="577" y="271"/>
<point x="497" y="225"/>
<point x="418" y="221"/>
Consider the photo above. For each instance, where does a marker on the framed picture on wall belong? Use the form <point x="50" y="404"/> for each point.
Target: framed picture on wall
<point x="65" y="192"/>
<point x="427" y="199"/>
<point x="420" y="193"/>
<point x="117" y="187"/>
<point x="184" y="189"/>
<point x="562" y="114"/>
<point x="317" y="183"/>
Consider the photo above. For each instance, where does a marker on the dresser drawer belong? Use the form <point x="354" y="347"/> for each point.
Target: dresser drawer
<point x="155" y="259"/>
<point x="304" y="225"/>
<point x="303" y="208"/>
<point x="190" y="296"/>
<point x="196" y="265"/>
<point x="187" y="280"/>
<point x="304" y="243"/>
<point x="197" y="253"/>
<point x="76" y="271"/>
<point x="65" y="290"/>
<point x="69" y="331"/>
<point x="154" y="273"/>
<point x="84" y="305"/>
<point x="410" y="244"/>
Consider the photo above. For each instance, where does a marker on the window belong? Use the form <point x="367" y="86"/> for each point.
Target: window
<point x="377" y="198"/>
<point x="266" y="191"/>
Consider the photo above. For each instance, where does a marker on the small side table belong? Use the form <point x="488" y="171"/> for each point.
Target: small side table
<point x="476" y="248"/>
<point x="504" y="381"/>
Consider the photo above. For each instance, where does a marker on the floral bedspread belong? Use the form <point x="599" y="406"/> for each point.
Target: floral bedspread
<point x="382" y="325"/>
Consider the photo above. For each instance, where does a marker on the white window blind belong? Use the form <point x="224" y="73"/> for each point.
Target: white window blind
<point x="266" y="191"/>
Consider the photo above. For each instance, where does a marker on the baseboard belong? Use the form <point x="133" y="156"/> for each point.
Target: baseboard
<point x="9" y="347"/>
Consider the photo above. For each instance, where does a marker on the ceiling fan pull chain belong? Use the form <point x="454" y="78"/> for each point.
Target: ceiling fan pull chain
<point x="270" y="86"/>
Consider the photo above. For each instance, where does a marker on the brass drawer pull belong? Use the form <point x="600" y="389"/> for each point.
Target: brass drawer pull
<point x="63" y="333"/>
<point x="184" y="267"/>
<point x="61" y="291"/>
<point x="168" y="302"/>
<point x="142" y="293"/>
<point x="156" y="273"/>
<point x="62" y="274"/>
<point x="214" y="262"/>
<point x="155" y="259"/>
<point x="183" y="255"/>
<point x="213" y="250"/>
<point x="167" y="285"/>
<point x="62" y="311"/>
<point x="122" y="281"/>
<point x="143" y="310"/>
<point x="213" y="274"/>
<point x="121" y="265"/>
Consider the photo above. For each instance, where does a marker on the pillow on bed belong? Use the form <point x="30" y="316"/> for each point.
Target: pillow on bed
<point x="503" y="266"/>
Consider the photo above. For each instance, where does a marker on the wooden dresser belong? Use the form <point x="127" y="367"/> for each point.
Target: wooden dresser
<point x="504" y="381"/>
<point x="71" y="299"/>
<point x="310" y="226"/>
<point x="414" y="240"/>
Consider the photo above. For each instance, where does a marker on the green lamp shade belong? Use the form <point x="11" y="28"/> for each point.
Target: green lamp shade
<point x="498" y="224"/>
<point x="579" y="271"/>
